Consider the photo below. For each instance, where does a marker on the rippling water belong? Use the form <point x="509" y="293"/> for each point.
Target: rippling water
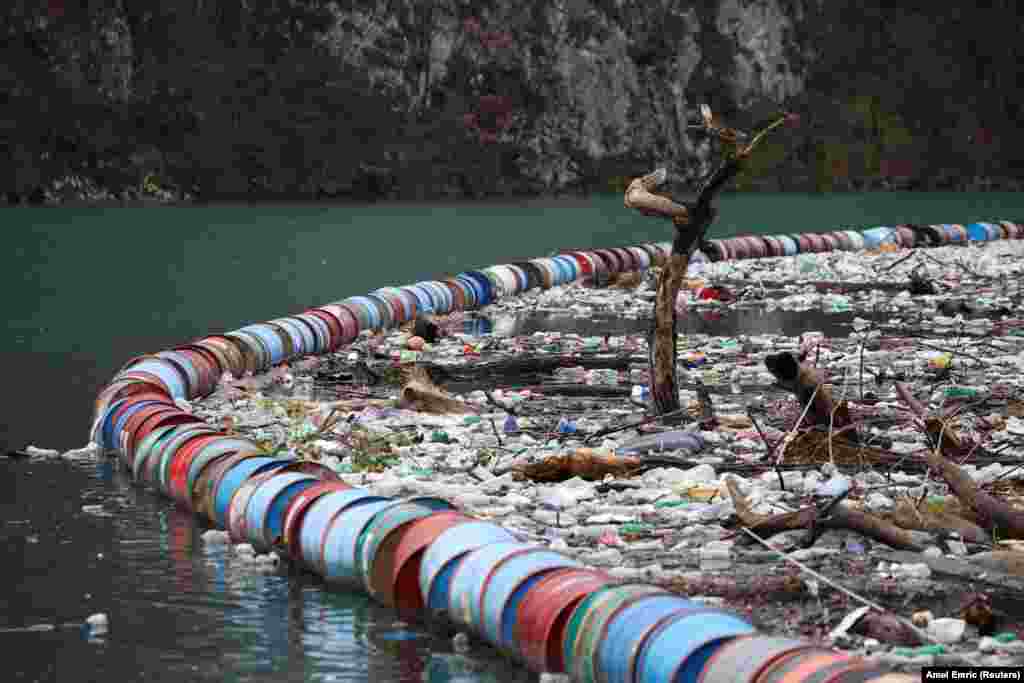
<point x="180" y="610"/>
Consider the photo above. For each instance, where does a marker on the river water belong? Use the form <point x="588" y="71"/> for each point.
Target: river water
<point x="88" y="289"/>
<point x="180" y="610"/>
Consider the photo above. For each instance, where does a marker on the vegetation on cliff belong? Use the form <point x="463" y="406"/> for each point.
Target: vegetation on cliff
<point x="306" y="99"/>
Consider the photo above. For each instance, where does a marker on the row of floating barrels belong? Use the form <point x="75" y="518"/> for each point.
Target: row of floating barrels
<point x="192" y="370"/>
<point x="906" y="236"/>
<point x="423" y="557"/>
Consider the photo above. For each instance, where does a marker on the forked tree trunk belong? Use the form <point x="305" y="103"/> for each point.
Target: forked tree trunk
<point x="691" y="221"/>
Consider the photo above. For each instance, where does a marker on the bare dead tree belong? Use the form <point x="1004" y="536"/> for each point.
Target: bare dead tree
<point x="691" y="221"/>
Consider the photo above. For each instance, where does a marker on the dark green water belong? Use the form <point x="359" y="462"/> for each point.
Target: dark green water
<point x="88" y="289"/>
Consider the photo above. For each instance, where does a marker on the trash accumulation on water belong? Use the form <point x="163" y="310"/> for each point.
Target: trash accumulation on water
<point x="530" y="414"/>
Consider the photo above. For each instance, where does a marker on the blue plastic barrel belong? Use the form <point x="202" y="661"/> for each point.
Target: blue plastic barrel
<point x="504" y="589"/>
<point x="213" y="451"/>
<point x="257" y="348"/>
<point x="233" y="479"/>
<point x="148" y="467"/>
<point x="372" y="312"/>
<point x="270" y="339"/>
<point x="475" y="295"/>
<point x="320" y="329"/>
<point x="103" y="428"/>
<point x="485" y="286"/>
<point x="265" y="512"/>
<point x="339" y="551"/>
<point x="293" y="336"/>
<point x="439" y="295"/>
<point x="147" y="444"/>
<point x="185" y="366"/>
<point x="119" y="424"/>
<point x="956" y="232"/>
<point x="423" y="302"/>
<point x="572" y="267"/>
<point x="745" y="658"/>
<point x="587" y="621"/>
<point x="425" y="298"/>
<point x="400" y="307"/>
<point x="442" y="556"/>
<point x="977" y="232"/>
<point x="468" y="579"/>
<point x="876" y="237"/>
<point x="679" y="648"/>
<point x="165" y="370"/>
<point x="308" y="329"/>
<point x="319" y="518"/>
<point x="447" y="297"/>
<point x="627" y="629"/>
<point x="470" y="296"/>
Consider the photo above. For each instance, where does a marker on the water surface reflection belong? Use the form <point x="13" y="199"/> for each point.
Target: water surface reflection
<point x="179" y="609"/>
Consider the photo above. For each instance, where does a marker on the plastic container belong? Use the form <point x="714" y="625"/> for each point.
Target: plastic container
<point x="238" y="521"/>
<point x="232" y="480"/>
<point x="209" y="476"/>
<point x="318" y="519"/>
<point x="743" y="659"/>
<point x="265" y="514"/>
<point x="341" y="537"/>
<point x="383" y="534"/>
<point x="295" y="514"/>
<point x="442" y="557"/>
<point x="977" y="232"/>
<point x="142" y="452"/>
<point x="804" y="666"/>
<point x="468" y="580"/>
<point x="217" y="449"/>
<point x="680" y="647"/>
<point x="147" y="468"/>
<point x="587" y="620"/>
<point x="505" y="587"/>
<point x="349" y="535"/>
<point x="544" y="612"/>
<point x="663" y="441"/>
<point x="410" y="546"/>
<point x="626" y="630"/>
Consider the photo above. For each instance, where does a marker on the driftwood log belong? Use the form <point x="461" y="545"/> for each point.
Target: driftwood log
<point x="808" y="384"/>
<point x="985" y="510"/>
<point x="814" y="521"/>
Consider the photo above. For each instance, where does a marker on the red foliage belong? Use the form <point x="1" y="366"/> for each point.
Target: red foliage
<point x="901" y="168"/>
<point x="495" y="104"/>
<point x="496" y="40"/>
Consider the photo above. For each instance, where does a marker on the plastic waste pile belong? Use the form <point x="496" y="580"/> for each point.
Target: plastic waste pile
<point x="421" y="553"/>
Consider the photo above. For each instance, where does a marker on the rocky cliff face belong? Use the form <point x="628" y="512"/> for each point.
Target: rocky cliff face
<point x="406" y="98"/>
